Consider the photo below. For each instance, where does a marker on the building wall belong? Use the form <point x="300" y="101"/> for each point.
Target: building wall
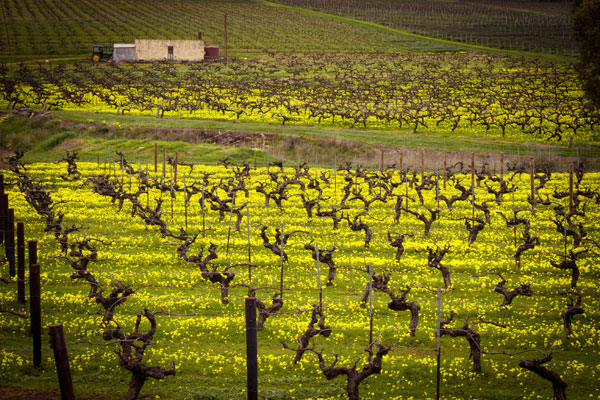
<point x="123" y="53"/>
<point x="158" y="50"/>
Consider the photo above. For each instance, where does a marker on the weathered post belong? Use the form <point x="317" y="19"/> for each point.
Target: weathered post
<point x="175" y="166"/>
<point x="319" y="276"/>
<point x="472" y="170"/>
<point x="334" y="177"/>
<point x="164" y="165"/>
<point x="437" y="191"/>
<point x="438" y="349"/>
<point x="532" y="176"/>
<point x="9" y="238"/>
<point x="571" y="188"/>
<point x="61" y="359"/>
<point x="281" y="277"/>
<point x="185" y="201"/>
<point x="155" y="157"/>
<point x="370" y="304"/>
<point x="230" y="217"/>
<point x="473" y="184"/>
<point x="514" y="216"/>
<point x="35" y="303"/>
<point x="445" y="171"/>
<point x="422" y="166"/>
<point x="21" y="262"/>
<point x="3" y="218"/>
<point x="251" y="349"/>
<point x="400" y="161"/>
<point x="249" y="248"/>
<point x="501" y="167"/>
<point x="202" y="206"/>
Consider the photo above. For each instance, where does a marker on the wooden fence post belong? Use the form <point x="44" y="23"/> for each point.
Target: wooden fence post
<point x="473" y="170"/>
<point x="164" y="166"/>
<point x="155" y="157"/>
<point x="571" y="188"/>
<point x="281" y="275"/>
<point x="249" y="248"/>
<point x="319" y="276"/>
<point x="175" y="166"/>
<point x="445" y="171"/>
<point x="400" y="169"/>
<point x="3" y="218"/>
<point x="36" y="312"/>
<point x="251" y="349"/>
<point x="501" y="167"/>
<point x="61" y="359"/>
<point x="532" y="176"/>
<point x="21" y="262"/>
<point x="370" y="304"/>
<point x="438" y="349"/>
<point x="35" y="302"/>
<point x="422" y="166"/>
<point x="9" y="238"/>
<point x="473" y="184"/>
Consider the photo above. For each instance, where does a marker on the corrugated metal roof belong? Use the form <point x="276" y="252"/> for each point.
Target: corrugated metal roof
<point x="123" y="45"/>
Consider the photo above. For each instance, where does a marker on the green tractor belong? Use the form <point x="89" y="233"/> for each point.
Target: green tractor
<point x="99" y="53"/>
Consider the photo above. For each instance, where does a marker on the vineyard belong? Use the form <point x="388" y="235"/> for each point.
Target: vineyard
<point x="523" y="25"/>
<point x="349" y="268"/>
<point x="463" y="94"/>
<point x="318" y="200"/>
<point x="68" y="28"/>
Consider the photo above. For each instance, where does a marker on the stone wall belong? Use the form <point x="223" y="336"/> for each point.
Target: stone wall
<point x="158" y="50"/>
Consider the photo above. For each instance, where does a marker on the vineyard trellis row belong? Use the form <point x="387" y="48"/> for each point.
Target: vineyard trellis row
<point x="525" y="26"/>
<point x="494" y="96"/>
<point x="410" y="268"/>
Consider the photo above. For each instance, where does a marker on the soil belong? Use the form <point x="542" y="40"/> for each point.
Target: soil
<point x="19" y="393"/>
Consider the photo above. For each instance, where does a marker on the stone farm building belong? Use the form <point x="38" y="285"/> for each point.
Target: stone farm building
<point x="159" y="50"/>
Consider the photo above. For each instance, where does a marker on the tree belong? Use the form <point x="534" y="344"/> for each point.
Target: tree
<point x="586" y="14"/>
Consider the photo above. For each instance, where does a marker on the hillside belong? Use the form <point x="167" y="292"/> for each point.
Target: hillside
<point x="69" y="28"/>
<point x="517" y="24"/>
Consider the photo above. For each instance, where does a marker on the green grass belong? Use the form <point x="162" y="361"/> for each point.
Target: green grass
<point x="398" y="139"/>
<point x="96" y="136"/>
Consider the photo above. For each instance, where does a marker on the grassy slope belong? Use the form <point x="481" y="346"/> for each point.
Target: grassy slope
<point x="513" y="24"/>
<point x="61" y="30"/>
<point x="71" y="30"/>
<point x="377" y="137"/>
<point x="92" y="135"/>
<point x="458" y="45"/>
